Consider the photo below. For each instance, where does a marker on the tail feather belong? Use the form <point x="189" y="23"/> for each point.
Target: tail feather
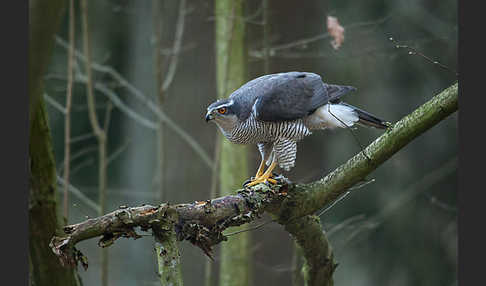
<point x="368" y="119"/>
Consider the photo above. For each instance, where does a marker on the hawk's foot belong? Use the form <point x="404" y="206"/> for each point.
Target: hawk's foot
<point x="261" y="179"/>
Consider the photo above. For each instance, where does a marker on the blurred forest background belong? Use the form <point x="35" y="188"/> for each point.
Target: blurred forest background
<point x="401" y="229"/>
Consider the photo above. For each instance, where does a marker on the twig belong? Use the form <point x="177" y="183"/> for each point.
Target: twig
<point x="306" y="41"/>
<point x="90" y="203"/>
<point x="122" y="106"/>
<point x="322" y="54"/>
<point x="183" y="48"/>
<point x="81" y="137"/>
<point x="147" y="102"/>
<point x="76" y="155"/>
<point x="413" y="51"/>
<point x="81" y="165"/>
<point x="251" y="228"/>
<point x="436" y="202"/>
<point x="109" y="107"/>
<point x="89" y="83"/>
<point x="55" y="104"/>
<point x="67" y="118"/>
<point x="344" y="223"/>
<point x="176" y="47"/>
<point x="334" y="203"/>
<point x="117" y="152"/>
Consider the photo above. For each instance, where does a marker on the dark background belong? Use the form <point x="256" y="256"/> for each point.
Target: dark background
<point x="399" y="230"/>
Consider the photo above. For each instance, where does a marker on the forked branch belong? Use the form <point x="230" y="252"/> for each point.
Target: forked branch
<point x="202" y="223"/>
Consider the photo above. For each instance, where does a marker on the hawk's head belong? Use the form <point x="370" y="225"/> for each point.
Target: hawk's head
<point x="224" y="113"/>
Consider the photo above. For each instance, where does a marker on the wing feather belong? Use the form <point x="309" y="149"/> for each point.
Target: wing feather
<point x="292" y="95"/>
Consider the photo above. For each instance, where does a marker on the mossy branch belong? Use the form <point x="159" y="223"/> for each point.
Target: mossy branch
<point x="319" y="264"/>
<point x="309" y="198"/>
<point x="202" y="223"/>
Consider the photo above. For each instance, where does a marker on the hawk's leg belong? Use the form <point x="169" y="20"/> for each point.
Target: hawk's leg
<point x="265" y="177"/>
<point x="261" y="168"/>
<point x="265" y="149"/>
<point x="259" y="174"/>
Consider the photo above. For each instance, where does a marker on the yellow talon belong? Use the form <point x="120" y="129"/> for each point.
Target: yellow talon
<point x="265" y="177"/>
<point x="261" y="180"/>
<point x="259" y="173"/>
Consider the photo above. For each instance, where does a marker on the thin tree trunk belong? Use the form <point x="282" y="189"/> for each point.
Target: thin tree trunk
<point x="158" y="180"/>
<point x="67" y="122"/>
<point x="44" y="267"/>
<point x="231" y="74"/>
<point x="98" y="131"/>
<point x="266" y="33"/>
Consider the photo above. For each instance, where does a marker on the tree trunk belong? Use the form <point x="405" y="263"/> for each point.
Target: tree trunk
<point x="44" y="266"/>
<point x="231" y="74"/>
<point x="43" y="221"/>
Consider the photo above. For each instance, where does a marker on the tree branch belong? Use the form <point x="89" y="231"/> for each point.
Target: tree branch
<point x="309" y="198"/>
<point x="319" y="265"/>
<point x="202" y="223"/>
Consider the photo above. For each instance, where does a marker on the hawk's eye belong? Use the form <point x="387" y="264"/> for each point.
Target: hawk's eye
<point x="222" y="110"/>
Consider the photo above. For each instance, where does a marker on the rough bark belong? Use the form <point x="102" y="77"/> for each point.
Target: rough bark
<point x="233" y="168"/>
<point x="43" y="220"/>
<point x="202" y="223"/>
<point x="44" y="268"/>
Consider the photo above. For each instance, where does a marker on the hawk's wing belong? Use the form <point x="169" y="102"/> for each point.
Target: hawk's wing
<point x="293" y="95"/>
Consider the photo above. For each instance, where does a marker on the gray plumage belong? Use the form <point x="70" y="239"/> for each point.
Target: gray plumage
<point x="276" y="111"/>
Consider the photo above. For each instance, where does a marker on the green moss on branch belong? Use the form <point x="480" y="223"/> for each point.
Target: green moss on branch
<point x="306" y="199"/>
<point x="319" y="265"/>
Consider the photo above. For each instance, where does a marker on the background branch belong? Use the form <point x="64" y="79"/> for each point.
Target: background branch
<point x="98" y="131"/>
<point x="67" y="118"/>
<point x="139" y="95"/>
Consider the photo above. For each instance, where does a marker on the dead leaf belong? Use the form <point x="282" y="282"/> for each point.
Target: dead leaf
<point x="336" y="31"/>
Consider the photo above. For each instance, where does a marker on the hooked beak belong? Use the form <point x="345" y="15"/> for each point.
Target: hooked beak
<point x="209" y="117"/>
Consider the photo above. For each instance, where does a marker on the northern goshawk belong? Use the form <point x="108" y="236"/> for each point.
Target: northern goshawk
<point x="276" y="111"/>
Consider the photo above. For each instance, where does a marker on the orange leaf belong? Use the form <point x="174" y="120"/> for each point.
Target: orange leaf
<point x="336" y="31"/>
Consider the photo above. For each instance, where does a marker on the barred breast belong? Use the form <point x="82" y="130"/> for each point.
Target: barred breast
<point x="252" y="131"/>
